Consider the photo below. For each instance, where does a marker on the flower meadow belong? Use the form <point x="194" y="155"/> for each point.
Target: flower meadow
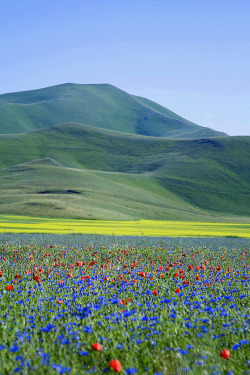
<point x="96" y="305"/>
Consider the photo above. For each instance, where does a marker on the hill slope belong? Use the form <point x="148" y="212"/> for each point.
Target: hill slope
<point x="75" y="170"/>
<point x="103" y="106"/>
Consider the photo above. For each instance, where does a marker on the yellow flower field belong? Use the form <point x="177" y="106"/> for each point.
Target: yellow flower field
<point x="154" y="228"/>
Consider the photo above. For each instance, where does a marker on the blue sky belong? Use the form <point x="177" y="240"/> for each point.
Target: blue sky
<point x="192" y="56"/>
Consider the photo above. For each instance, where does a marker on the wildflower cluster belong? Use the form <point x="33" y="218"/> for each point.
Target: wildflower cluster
<point x="103" y="308"/>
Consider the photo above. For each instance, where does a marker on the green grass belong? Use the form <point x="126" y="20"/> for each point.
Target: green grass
<point x="123" y="177"/>
<point x="103" y="106"/>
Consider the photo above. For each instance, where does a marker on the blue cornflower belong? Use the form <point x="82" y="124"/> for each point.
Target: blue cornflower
<point x="19" y="358"/>
<point x="65" y="341"/>
<point x="200" y="363"/>
<point x="115" y="300"/>
<point x="131" y="371"/>
<point x="17" y="369"/>
<point x="47" y="328"/>
<point x="203" y="329"/>
<point x="183" y="351"/>
<point x="61" y="369"/>
<point x="87" y="329"/>
<point x="14" y="348"/>
<point x="236" y="346"/>
<point x="44" y="358"/>
<point x="204" y="357"/>
<point x="244" y="342"/>
<point x="172" y="315"/>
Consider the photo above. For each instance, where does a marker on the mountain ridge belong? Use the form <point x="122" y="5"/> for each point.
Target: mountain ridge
<point x="99" y="105"/>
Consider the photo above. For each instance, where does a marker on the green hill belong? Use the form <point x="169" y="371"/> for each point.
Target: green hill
<point x="75" y="170"/>
<point x="96" y="152"/>
<point x="103" y="106"/>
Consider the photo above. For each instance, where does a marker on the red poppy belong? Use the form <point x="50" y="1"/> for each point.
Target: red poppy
<point x="125" y="301"/>
<point x="115" y="365"/>
<point x="9" y="287"/>
<point x="36" y="277"/>
<point x="225" y="353"/>
<point x="97" y="346"/>
<point x="177" y="290"/>
<point x="155" y="292"/>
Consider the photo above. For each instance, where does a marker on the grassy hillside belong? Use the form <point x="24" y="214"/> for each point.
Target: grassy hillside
<point x="103" y="106"/>
<point x="74" y="170"/>
<point x="54" y="191"/>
